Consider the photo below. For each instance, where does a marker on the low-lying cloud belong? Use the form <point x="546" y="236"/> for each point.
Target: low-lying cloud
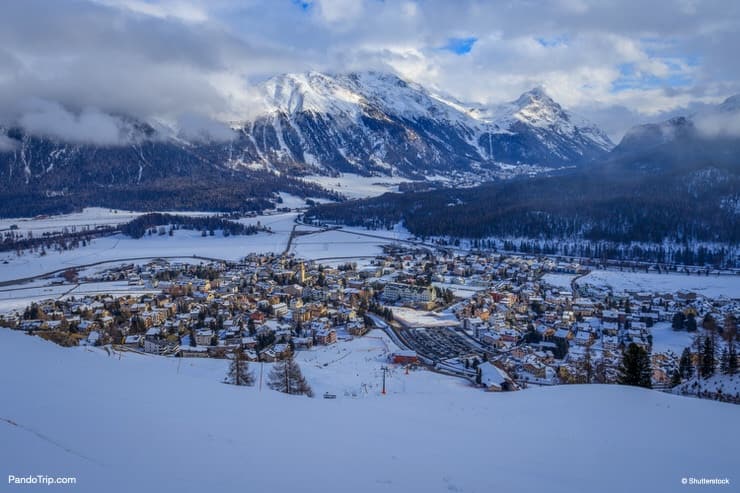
<point x="7" y="144"/>
<point x="721" y="125"/>
<point x="88" y="126"/>
<point x="194" y="127"/>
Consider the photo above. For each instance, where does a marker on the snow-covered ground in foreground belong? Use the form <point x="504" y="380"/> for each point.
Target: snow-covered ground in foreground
<point x="665" y="338"/>
<point x="144" y="423"/>
<point x="355" y="186"/>
<point x="560" y="281"/>
<point x="184" y="243"/>
<point x="711" y="286"/>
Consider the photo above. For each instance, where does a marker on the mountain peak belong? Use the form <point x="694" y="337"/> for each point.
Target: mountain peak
<point x="537" y="93"/>
<point x="536" y="108"/>
<point x="731" y="104"/>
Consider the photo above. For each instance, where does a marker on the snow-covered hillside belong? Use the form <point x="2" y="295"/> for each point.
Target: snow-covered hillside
<point x="156" y="424"/>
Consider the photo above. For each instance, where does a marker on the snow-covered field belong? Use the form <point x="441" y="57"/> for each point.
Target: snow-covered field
<point x="418" y="318"/>
<point x="17" y="298"/>
<point x="355" y="186"/>
<point x="184" y="243"/>
<point x="336" y="244"/>
<point x="91" y="216"/>
<point x="710" y="286"/>
<point x="560" y="281"/>
<point x="665" y="338"/>
<point x="20" y="298"/>
<point x="145" y="423"/>
<point x="347" y="242"/>
<point x="459" y="290"/>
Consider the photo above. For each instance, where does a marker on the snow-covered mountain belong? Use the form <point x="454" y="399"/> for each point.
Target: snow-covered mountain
<point x="379" y="123"/>
<point x="536" y="129"/>
<point x="365" y="123"/>
<point x="708" y="138"/>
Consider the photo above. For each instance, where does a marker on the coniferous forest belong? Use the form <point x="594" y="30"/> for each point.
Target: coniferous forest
<point x="659" y="216"/>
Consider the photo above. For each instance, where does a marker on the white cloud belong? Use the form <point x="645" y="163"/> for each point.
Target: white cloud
<point x="90" y="125"/>
<point x="719" y="124"/>
<point x="165" y="58"/>
<point x="7" y="144"/>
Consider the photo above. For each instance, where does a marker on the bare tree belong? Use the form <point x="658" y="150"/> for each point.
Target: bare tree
<point x="286" y="377"/>
<point x="239" y="373"/>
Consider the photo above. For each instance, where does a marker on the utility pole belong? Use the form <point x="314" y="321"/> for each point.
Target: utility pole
<point x="385" y="370"/>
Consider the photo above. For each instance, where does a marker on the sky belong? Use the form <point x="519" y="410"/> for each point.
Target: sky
<point x="67" y="65"/>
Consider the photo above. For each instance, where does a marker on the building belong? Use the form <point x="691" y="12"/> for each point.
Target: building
<point x="494" y="379"/>
<point x="405" y="357"/>
<point x="326" y="336"/>
<point x="408" y="293"/>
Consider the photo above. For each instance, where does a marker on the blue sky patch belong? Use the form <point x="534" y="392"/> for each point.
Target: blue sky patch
<point x="460" y="46"/>
<point x="304" y="5"/>
<point x="630" y="78"/>
<point x="549" y="42"/>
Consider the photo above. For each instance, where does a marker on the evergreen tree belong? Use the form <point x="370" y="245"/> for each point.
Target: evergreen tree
<point x="678" y="321"/>
<point x="706" y="367"/>
<point x="239" y="373"/>
<point x="675" y="378"/>
<point x="691" y="323"/>
<point x="286" y="377"/>
<point x="685" y="368"/>
<point x="724" y="362"/>
<point x="729" y="329"/>
<point x="635" y="369"/>
<point x="732" y="358"/>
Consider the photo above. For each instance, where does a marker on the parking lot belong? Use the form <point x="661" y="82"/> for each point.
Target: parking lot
<point x="438" y="343"/>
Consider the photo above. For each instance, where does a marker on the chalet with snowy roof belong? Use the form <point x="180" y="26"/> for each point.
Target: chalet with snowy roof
<point x="494" y="379"/>
<point x="326" y="336"/>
